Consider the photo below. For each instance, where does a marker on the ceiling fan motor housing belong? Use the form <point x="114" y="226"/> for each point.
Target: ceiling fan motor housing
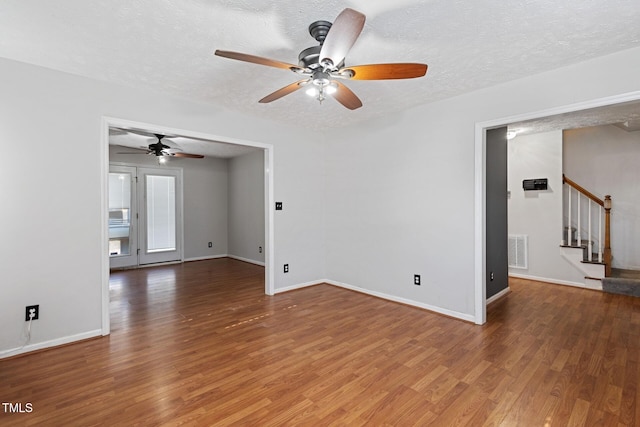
<point x="310" y="57"/>
<point x="158" y="148"/>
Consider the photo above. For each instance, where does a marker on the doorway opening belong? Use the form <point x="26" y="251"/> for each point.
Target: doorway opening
<point x="167" y="232"/>
<point x="481" y="166"/>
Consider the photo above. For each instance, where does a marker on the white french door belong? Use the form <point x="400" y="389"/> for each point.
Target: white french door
<point x="145" y="215"/>
<point x="160" y="215"/>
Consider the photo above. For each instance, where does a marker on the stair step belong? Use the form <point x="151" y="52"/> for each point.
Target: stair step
<point x="616" y="285"/>
<point x="583" y="243"/>
<point x="625" y="274"/>
<point x="585" y="256"/>
<point x="575" y="256"/>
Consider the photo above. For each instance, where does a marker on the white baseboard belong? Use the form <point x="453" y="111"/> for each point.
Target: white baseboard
<point x="251" y="261"/>
<point x="450" y="313"/>
<point x="51" y="343"/>
<point x="499" y="295"/>
<point x="547" y="280"/>
<point x="440" y="310"/>
<point x="300" y="286"/>
<point x="202" y="258"/>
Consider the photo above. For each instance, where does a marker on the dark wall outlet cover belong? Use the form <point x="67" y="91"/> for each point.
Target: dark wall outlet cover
<point x="278" y="206"/>
<point x="28" y="309"/>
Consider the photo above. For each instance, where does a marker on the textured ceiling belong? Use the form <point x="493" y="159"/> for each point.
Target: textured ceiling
<point x="139" y="139"/>
<point x="625" y="115"/>
<point x="168" y="46"/>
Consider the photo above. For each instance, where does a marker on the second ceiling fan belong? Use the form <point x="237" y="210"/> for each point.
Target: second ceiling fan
<point x="158" y="148"/>
<point x="323" y="66"/>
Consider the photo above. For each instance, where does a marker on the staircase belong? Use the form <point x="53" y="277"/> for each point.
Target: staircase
<point x="586" y="241"/>
<point x="577" y="253"/>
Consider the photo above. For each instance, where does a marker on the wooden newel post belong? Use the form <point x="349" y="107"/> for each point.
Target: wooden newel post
<point x="607" y="236"/>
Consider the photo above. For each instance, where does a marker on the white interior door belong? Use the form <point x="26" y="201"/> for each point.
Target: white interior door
<point x="123" y="233"/>
<point x="160" y="215"/>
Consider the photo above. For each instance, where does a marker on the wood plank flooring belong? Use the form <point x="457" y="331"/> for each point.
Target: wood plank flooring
<point x="200" y="344"/>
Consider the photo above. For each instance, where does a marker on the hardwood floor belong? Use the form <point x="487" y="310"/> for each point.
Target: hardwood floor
<point x="200" y="344"/>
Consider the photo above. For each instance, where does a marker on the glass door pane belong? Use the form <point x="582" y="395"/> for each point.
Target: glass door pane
<point x="161" y="213"/>
<point x="122" y="217"/>
<point x="119" y="213"/>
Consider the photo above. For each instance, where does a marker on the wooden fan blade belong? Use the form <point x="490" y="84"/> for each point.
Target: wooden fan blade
<point x="190" y="156"/>
<point x="283" y="91"/>
<point x="341" y="37"/>
<point x="346" y="97"/>
<point x="257" y="60"/>
<point x="385" y="71"/>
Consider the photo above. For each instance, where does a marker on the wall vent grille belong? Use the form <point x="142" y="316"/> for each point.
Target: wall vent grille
<point x="518" y="251"/>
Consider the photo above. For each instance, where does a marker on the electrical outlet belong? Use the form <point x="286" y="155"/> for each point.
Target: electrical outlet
<point x="286" y="268"/>
<point x="32" y="312"/>
<point x="491" y="277"/>
<point x="416" y="279"/>
<point x="278" y="206"/>
<point x="260" y="249"/>
<point x="210" y="244"/>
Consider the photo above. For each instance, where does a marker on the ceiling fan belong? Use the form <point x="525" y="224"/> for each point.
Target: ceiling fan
<point x="323" y="66"/>
<point x="160" y="150"/>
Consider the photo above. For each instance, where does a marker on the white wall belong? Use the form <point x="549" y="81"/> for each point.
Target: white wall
<point x="400" y="190"/>
<point x="246" y="206"/>
<point x="604" y="160"/>
<point x="538" y="214"/>
<point x="206" y="203"/>
<point x="394" y="196"/>
<point x="204" y="200"/>
<point x="51" y="192"/>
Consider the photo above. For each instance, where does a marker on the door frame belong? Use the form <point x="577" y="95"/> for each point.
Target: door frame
<point x="480" y="167"/>
<point x="107" y="122"/>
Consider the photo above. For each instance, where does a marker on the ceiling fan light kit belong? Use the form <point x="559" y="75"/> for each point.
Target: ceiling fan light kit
<point x="323" y="65"/>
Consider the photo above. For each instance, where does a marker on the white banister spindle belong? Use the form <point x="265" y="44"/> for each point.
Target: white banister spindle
<point x="600" y="212"/>
<point x="569" y="218"/>
<point x="590" y="245"/>
<point x="579" y="226"/>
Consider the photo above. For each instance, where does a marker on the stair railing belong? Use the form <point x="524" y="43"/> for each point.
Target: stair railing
<point x="603" y="210"/>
